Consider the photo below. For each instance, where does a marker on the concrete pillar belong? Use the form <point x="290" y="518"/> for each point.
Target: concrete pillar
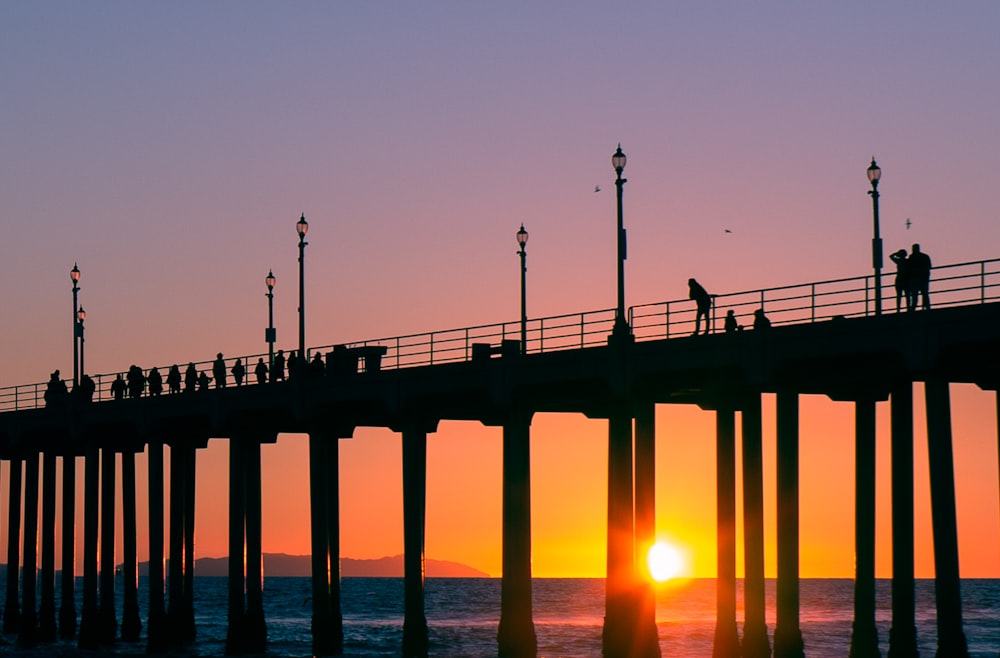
<point x="236" y="634"/>
<point x="620" y="608"/>
<point x="787" y="633"/>
<point x="12" y="608"/>
<point x="903" y="632"/>
<point x="947" y="584"/>
<point x="323" y="644"/>
<point x="414" y="507"/>
<point x="89" y="637"/>
<point x="755" y="641"/>
<point x="67" y="605"/>
<point x="188" y="631"/>
<point x="131" y="624"/>
<point x="727" y="640"/>
<point x="256" y="626"/>
<point x="27" y="630"/>
<point x="336" y="630"/>
<point x="47" y="630"/>
<point x="864" y="634"/>
<point x="156" y="639"/>
<point x="516" y="633"/>
<point x="175" y="543"/>
<point x="108" y="624"/>
<point x="647" y="639"/>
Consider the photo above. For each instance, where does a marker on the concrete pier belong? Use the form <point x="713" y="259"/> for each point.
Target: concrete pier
<point x="415" y="641"/>
<point x="787" y="633"/>
<point x="864" y="634"/>
<point x="903" y="632"/>
<point x="727" y="639"/>
<point x="756" y="643"/>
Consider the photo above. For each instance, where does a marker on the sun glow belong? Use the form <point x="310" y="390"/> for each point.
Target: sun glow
<point x="665" y="561"/>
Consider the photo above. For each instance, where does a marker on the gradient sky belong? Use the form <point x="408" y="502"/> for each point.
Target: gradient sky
<point x="170" y="148"/>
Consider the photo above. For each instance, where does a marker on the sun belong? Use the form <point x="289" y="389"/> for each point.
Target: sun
<point x="664" y="561"/>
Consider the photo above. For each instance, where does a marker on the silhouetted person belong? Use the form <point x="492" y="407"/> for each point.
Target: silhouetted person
<point x="118" y="387"/>
<point x="136" y="381"/>
<point x="919" y="272"/>
<point x="55" y="390"/>
<point x="732" y="326"/>
<point x="239" y="372"/>
<point x="190" y="379"/>
<point x="902" y="277"/>
<point x="219" y="371"/>
<point x="86" y="388"/>
<point x="760" y="320"/>
<point x="703" y="301"/>
<point x="203" y="381"/>
<point x="316" y="367"/>
<point x="174" y="379"/>
<point x="261" y="371"/>
<point x="293" y="365"/>
<point x="155" y="382"/>
<point x="278" y="371"/>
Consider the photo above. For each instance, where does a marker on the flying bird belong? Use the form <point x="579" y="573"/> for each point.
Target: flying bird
<point x="727" y="230"/>
<point x="597" y="188"/>
<point x="908" y="222"/>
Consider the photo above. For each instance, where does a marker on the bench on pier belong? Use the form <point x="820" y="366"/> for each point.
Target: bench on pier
<point x="345" y="360"/>
<point x="483" y="351"/>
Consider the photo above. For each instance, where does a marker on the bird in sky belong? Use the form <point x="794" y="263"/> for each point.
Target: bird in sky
<point x="597" y="188"/>
<point x="908" y="222"/>
<point x="727" y="231"/>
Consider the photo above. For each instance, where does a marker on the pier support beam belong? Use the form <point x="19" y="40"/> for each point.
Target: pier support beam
<point x="516" y="634"/>
<point x="256" y="626"/>
<point x="903" y="632"/>
<point x="415" y="643"/>
<point x="27" y="630"/>
<point x="620" y="609"/>
<point x="864" y="634"/>
<point x="156" y="639"/>
<point x="647" y="637"/>
<point x="67" y="606"/>
<point x="324" y="510"/>
<point x="131" y="624"/>
<point x="12" y="608"/>
<point x="108" y="620"/>
<point x="47" y="629"/>
<point x="755" y="641"/>
<point x="89" y="637"/>
<point x="186" y="618"/>
<point x="180" y="577"/>
<point x="727" y="639"/>
<point x="787" y="633"/>
<point x="947" y="585"/>
<point x="236" y="634"/>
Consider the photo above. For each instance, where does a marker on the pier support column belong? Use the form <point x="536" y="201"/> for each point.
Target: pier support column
<point x="12" y="608"/>
<point x="864" y="634"/>
<point x="236" y="634"/>
<point x="620" y="609"/>
<point x="188" y="630"/>
<point x="131" y="624"/>
<point x="324" y="492"/>
<point x="516" y="634"/>
<point x="27" y="630"/>
<point x="175" y="542"/>
<point x="903" y="632"/>
<point x="947" y="585"/>
<point x="67" y="605"/>
<point x="156" y="639"/>
<point x="787" y="633"/>
<point x="256" y="626"/>
<point x="727" y="639"/>
<point x="755" y="641"/>
<point x="414" y="517"/>
<point x="336" y="629"/>
<point x="108" y="624"/>
<point x="47" y="630"/>
<point x="89" y="637"/>
<point x="647" y="636"/>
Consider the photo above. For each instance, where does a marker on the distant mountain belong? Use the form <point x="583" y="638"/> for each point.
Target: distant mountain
<point x="281" y="564"/>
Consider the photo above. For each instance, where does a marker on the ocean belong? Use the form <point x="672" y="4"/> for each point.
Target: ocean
<point x="462" y="615"/>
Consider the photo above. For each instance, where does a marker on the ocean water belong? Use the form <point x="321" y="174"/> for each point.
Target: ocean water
<point x="462" y="616"/>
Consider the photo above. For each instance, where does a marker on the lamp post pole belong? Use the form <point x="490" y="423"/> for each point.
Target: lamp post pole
<point x="302" y="227"/>
<point x="874" y="174"/>
<point x="81" y="315"/>
<point x="522" y="239"/>
<point x="621" y="325"/>
<point x="269" y="335"/>
<point x="74" y="275"/>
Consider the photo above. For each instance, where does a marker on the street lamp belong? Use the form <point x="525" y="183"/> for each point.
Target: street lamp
<point x="74" y="275"/>
<point x="269" y="335"/>
<point x="874" y="174"/>
<point x="621" y="325"/>
<point x="81" y="315"/>
<point x="302" y="227"/>
<point x="522" y="239"/>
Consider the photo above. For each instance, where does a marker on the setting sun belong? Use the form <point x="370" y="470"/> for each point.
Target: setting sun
<point x="664" y="561"/>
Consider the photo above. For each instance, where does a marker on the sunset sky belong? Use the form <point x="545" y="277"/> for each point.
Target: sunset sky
<point x="169" y="149"/>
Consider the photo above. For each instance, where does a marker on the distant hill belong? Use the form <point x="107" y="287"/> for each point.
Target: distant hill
<point x="281" y="564"/>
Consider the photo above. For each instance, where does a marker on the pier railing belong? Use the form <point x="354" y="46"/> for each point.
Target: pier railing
<point x="976" y="282"/>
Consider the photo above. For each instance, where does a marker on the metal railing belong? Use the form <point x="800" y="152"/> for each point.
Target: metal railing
<point x="976" y="282"/>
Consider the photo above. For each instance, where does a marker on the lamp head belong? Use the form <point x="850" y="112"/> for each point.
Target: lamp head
<point x="618" y="160"/>
<point x="81" y="315"/>
<point x="269" y="280"/>
<point x="522" y="236"/>
<point x="302" y="226"/>
<point x="74" y="274"/>
<point x="874" y="173"/>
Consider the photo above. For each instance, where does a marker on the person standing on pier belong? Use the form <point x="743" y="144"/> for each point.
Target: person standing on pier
<point x="219" y="371"/>
<point x="919" y="272"/>
<point x="174" y="379"/>
<point x="261" y="371"/>
<point x="238" y="372"/>
<point x="902" y="277"/>
<point x="704" y="303"/>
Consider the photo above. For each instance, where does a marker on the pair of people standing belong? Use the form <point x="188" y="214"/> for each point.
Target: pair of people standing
<point x="913" y="278"/>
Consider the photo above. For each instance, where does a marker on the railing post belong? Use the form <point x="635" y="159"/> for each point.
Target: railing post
<point x="397" y="353"/>
<point x="666" y="320"/>
<point x="432" y="348"/>
<point x="866" y="296"/>
<point x="982" y="282"/>
<point x="466" y="344"/>
<point x="812" y="303"/>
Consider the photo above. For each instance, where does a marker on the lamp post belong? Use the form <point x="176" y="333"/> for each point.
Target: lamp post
<point x="74" y="275"/>
<point x="81" y="315"/>
<point x="269" y="335"/>
<point x="522" y="239"/>
<point x="874" y="174"/>
<point x="302" y="227"/>
<point x="621" y="325"/>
